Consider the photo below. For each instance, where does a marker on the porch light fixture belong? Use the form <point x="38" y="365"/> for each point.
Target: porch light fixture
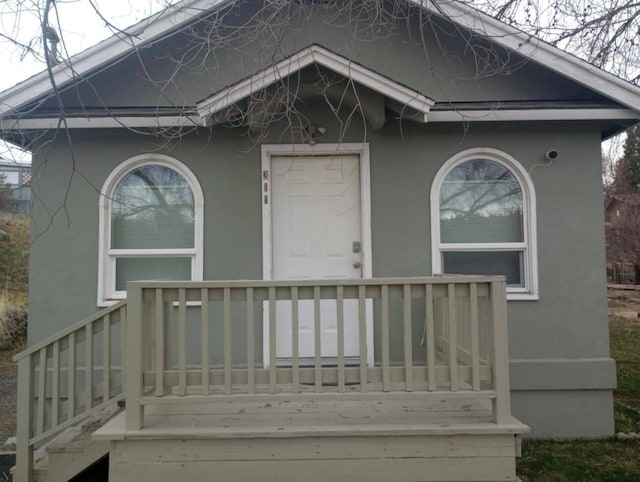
<point x="313" y="132"/>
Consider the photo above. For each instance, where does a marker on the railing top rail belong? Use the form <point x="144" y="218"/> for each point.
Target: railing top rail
<point x="70" y="329"/>
<point x="445" y="279"/>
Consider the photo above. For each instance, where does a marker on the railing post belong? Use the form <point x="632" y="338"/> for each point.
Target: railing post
<point x="133" y="369"/>
<point x="502" y="402"/>
<point x="24" y="453"/>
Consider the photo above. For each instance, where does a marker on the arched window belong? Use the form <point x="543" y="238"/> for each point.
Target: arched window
<point x="483" y="220"/>
<point x="151" y="225"/>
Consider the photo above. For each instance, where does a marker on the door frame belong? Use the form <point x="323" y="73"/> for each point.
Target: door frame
<point x="277" y="150"/>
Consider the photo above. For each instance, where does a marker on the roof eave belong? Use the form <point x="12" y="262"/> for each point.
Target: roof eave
<point x="172" y="18"/>
<point x="539" y="51"/>
<point x="104" y="52"/>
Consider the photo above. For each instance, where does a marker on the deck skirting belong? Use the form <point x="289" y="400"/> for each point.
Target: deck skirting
<point x="317" y="459"/>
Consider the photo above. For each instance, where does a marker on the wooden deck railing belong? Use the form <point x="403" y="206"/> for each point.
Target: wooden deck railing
<point x="440" y="335"/>
<point x="444" y="336"/>
<point x="64" y="379"/>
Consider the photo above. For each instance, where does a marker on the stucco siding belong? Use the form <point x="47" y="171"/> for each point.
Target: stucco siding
<point x="565" y="413"/>
<point x="567" y="323"/>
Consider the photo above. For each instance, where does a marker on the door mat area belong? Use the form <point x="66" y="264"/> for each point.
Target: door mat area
<point x="6" y="462"/>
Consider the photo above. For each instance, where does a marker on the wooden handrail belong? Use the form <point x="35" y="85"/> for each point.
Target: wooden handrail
<point x="434" y="334"/>
<point x="438" y="279"/>
<point x="60" y="385"/>
<point x="70" y="329"/>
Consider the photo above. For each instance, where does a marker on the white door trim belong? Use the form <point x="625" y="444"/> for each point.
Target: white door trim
<point x="362" y="151"/>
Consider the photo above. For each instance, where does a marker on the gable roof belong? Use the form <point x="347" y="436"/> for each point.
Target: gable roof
<point x="13" y="164"/>
<point x="163" y="24"/>
<point x="321" y="56"/>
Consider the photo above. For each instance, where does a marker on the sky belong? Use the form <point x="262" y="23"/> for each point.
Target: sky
<point x="79" y="26"/>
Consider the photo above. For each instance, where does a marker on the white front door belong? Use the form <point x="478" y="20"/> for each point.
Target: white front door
<point x="316" y="234"/>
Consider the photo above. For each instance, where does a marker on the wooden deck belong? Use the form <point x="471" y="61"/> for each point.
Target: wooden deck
<point x="321" y="437"/>
<point x="426" y="398"/>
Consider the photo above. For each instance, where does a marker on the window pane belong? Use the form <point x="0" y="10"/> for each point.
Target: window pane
<point x="141" y="269"/>
<point x="11" y="177"/>
<point x="481" y="202"/>
<point x="508" y="263"/>
<point x="152" y="207"/>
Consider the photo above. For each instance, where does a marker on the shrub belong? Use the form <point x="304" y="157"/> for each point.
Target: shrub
<point x="14" y="278"/>
<point x="14" y="254"/>
<point x="13" y="324"/>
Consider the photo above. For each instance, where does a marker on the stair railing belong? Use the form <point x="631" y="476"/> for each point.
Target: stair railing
<point x="66" y="378"/>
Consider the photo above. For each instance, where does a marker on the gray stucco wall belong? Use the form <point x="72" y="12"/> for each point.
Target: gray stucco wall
<point x="558" y="345"/>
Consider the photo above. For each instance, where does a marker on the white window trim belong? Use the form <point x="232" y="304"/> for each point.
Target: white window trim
<point x="107" y="258"/>
<point x="529" y="247"/>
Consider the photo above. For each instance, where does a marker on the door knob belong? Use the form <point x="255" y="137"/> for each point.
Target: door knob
<point x="357" y="265"/>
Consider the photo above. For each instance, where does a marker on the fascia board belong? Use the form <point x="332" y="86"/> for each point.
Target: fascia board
<point x="99" y="122"/>
<point x="497" y="115"/>
<point x="145" y="31"/>
<point x="302" y="59"/>
<point x="437" y="116"/>
<point x="541" y="52"/>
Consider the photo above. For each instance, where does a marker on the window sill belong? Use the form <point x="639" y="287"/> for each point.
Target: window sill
<point x="519" y="296"/>
<point x="109" y="302"/>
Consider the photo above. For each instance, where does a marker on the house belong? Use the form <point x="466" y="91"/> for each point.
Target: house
<point x="296" y="179"/>
<point x="16" y="178"/>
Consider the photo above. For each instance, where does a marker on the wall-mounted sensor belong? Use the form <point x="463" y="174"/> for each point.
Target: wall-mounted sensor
<point x="551" y="154"/>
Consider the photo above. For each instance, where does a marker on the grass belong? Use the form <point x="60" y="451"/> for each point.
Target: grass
<point x="14" y="253"/>
<point x="6" y="360"/>
<point x="14" y="257"/>
<point x="580" y="461"/>
<point x="13" y="321"/>
<point x="625" y="348"/>
<point x="608" y="460"/>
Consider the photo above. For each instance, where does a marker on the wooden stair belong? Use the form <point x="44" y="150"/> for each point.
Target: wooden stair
<point x="74" y="450"/>
<point x="377" y="438"/>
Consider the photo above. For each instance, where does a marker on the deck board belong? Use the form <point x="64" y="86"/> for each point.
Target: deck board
<point x="291" y="418"/>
